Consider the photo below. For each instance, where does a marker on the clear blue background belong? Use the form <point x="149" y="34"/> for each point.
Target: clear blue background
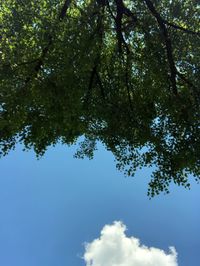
<point x="50" y="207"/>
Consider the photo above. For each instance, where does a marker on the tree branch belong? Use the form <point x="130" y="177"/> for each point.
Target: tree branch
<point x="100" y="85"/>
<point x="64" y="9"/>
<point x="163" y="28"/>
<point x="175" y="26"/>
<point x="118" y="21"/>
<point x="109" y="9"/>
<point x="91" y="81"/>
<point x="186" y="80"/>
<point x="45" y="50"/>
<point x="121" y="10"/>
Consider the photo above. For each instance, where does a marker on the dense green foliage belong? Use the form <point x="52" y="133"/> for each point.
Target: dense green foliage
<point x="124" y="73"/>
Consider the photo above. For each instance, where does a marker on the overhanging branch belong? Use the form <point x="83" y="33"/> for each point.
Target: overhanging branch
<point x="163" y="28"/>
<point x="175" y="26"/>
<point x="46" y="49"/>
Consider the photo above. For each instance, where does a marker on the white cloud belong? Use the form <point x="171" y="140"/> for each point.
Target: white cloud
<point x="114" y="248"/>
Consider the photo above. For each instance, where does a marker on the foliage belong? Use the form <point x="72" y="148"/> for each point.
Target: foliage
<point x="124" y="73"/>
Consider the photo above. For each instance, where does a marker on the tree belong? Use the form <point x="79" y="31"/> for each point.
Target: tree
<point x="121" y="72"/>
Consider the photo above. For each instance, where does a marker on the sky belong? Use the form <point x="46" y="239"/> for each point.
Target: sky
<point x="61" y="211"/>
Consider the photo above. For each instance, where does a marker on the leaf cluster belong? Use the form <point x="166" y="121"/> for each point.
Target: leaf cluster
<point x="125" y="73"/>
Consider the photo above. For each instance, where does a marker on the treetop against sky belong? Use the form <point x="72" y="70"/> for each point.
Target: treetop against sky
<point x="125" y="73"/>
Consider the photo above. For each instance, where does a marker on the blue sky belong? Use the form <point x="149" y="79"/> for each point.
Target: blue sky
<point x="50" y="207"/>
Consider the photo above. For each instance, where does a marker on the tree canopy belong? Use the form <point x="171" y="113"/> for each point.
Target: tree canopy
<point x="122" y="72"/>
